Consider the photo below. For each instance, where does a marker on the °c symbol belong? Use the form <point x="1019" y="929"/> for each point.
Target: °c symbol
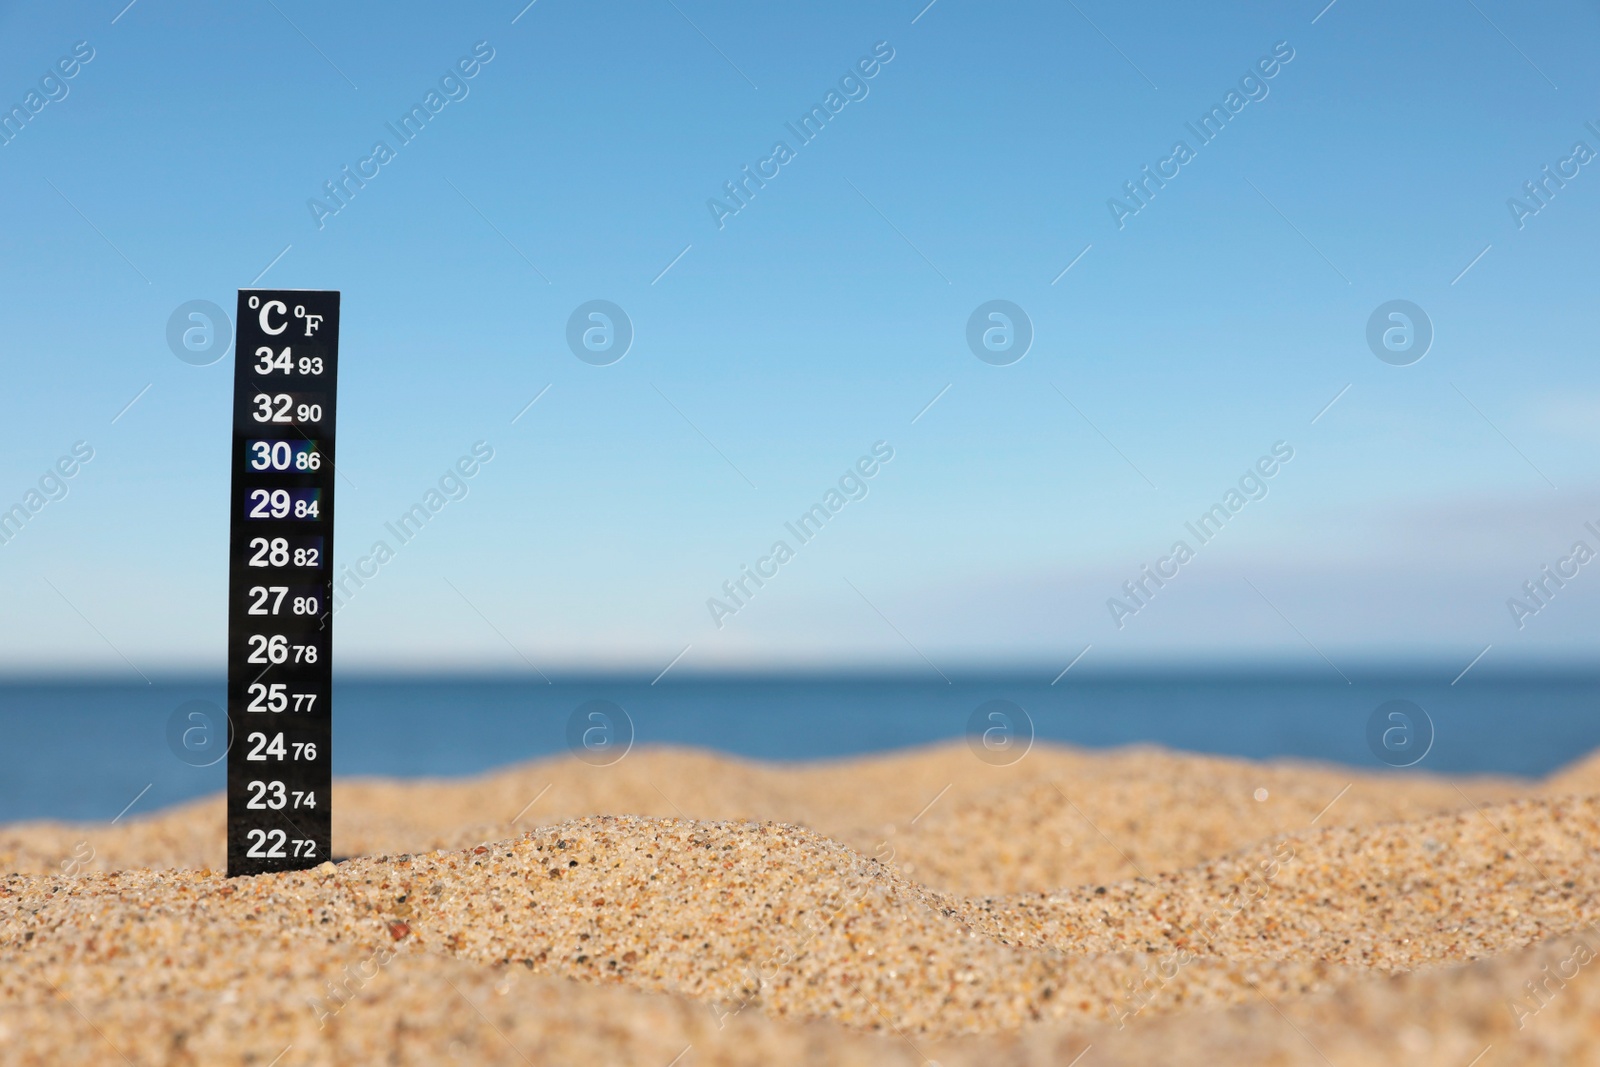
<point x="266" y="313"/>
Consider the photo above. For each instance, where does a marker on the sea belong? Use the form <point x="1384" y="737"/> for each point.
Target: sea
<point x="99" y="751"/>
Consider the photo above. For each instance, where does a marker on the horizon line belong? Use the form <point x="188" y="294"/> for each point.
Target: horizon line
<point x="1124" y="670"/>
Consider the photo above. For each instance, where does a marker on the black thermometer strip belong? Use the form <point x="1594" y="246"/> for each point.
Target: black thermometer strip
<point x="280" y="580"/>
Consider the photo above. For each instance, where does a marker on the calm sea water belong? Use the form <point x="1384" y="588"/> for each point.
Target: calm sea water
<point x="78" y="751"/>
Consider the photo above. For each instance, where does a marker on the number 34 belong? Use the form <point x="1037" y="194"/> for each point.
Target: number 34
<point x="267" y="363"/>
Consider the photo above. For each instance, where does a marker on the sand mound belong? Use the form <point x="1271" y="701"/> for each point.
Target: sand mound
<point x="1391" y="897"/>
<point x="1140" y="812"/>
<point x="1058" y="817"/>
<point x="1582" y="776"/>
<point x="739" y="915"/>
<point x="1359" y="918"/>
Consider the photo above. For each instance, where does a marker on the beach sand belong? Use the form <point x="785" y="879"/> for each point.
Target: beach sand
<point x="682" y="908"/>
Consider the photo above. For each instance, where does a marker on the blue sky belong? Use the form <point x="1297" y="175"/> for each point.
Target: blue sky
<point x="772" y="352"/>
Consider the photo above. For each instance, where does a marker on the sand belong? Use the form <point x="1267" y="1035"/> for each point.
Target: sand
<point x="684" y="908"/>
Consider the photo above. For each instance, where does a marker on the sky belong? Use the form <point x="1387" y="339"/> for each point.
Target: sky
<point x="1217" y="320"/>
